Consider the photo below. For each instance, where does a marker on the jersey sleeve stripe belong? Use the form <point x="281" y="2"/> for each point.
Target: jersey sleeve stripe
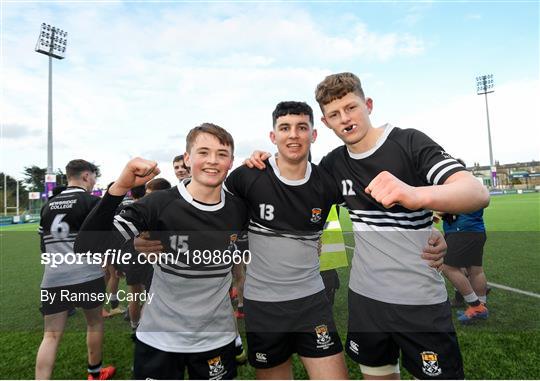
<point x="128" y="224"/>
<point x="437" y="166"/>
<point x="444" y="171"/>
<point x="121" y="230"/>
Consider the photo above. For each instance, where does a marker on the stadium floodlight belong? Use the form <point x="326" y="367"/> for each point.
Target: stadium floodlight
<point x="52" y="42"/>
<point x="484" y="86"/>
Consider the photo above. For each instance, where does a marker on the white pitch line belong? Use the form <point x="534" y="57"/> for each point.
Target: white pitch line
<point x="516" y="290"/>
<point x="496" y="285"/>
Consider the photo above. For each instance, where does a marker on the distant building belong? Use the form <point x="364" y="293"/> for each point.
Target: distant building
<point x="510" y="176"/>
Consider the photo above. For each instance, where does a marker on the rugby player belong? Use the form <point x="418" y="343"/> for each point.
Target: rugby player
<point x="61" y="219"/>
<point x="181" y="171"/>
<point x="189" y="323"/>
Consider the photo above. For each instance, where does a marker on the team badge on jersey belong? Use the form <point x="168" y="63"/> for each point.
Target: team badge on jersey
<point x="316" y="215"/>
<point x="216" y="368"/>
<point x="430" y="363"/>
<point x="324" y="340"/>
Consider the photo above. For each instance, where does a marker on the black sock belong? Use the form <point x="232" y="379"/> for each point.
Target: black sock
<point x="114" y="303"/>
<point x="240" y="309"/>
<point x="95" y="370"/>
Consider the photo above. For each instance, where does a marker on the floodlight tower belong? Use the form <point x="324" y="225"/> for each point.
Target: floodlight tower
<point x="484" y="86"/>
<point x="52" y="42"/>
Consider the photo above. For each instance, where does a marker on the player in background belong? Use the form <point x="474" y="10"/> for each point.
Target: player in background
<point x="61" y="219"/>
<point x="465" y="235"/>
<point x="189" y="323"/>
<point x="181" y="171"/>
<point x="157" y="184"/>
<point x="55" y="192"/>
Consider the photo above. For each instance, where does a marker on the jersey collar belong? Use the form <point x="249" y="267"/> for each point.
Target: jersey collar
<point x="73" y="189"/>
<point x="387" y="129"/>
<point x="273" y="164"/>
<point x="187" y="196"/>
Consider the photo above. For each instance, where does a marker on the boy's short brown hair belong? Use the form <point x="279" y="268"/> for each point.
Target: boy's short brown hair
<point x="220" y="133"/>
<point x="336" y="86"/>
<point x="158" y="184"/>
<point x="75" y="168"/>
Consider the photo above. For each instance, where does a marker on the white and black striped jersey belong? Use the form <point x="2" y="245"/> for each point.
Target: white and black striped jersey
<point x="387" y="265"/>
<point x="191" y="309"/>
<point x="286" y="220"/>
<point x="61" y="219"/>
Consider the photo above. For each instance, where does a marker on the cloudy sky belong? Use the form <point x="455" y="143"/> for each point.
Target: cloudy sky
<point x="138" y="75"/>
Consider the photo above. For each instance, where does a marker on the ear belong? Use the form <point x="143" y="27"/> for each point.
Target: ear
<point x="323" y="119"/>
<point x="85" y="175"/>
<point x="232" y="161"/>
<point x="273" y="136"/>
<point x="369" y="105"/>
<point x="187" y="160"/>
<point x="313" y="135"/>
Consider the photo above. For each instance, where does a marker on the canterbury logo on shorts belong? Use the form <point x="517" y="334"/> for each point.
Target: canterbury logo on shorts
<point x="261" y="357"/>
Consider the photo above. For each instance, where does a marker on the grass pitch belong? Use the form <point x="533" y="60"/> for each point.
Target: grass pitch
<point x="506" y="346"/>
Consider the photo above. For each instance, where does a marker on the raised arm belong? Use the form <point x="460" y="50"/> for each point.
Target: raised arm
<point x="103" y="230"/>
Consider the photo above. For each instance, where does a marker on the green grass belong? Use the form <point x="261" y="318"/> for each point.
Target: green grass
<point x="506" y="346"/>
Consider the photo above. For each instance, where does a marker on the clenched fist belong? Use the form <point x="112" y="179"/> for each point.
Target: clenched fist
<point x="388" y="190"/>
<point x="138" y="171"/>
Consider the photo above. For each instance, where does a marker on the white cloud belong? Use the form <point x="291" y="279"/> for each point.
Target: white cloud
<point x="17" y="131"/>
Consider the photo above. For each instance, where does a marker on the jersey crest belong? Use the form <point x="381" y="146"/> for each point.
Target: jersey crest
<point x="215" y="368"/>
<point x="430" y="363"/>
<point x="316" y="215"/>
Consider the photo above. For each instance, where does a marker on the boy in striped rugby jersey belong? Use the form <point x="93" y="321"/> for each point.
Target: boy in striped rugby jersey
<point x="391" y="180"/>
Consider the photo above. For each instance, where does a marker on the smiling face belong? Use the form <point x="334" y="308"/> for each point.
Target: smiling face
<point x="293" y="135"/>
<point x="348" y="117"/>
<point x="179" y="170"/>
<point x="209" y="160"/>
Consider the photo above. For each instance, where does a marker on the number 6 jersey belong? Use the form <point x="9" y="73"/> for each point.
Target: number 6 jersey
<point x="61" y="219"/>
